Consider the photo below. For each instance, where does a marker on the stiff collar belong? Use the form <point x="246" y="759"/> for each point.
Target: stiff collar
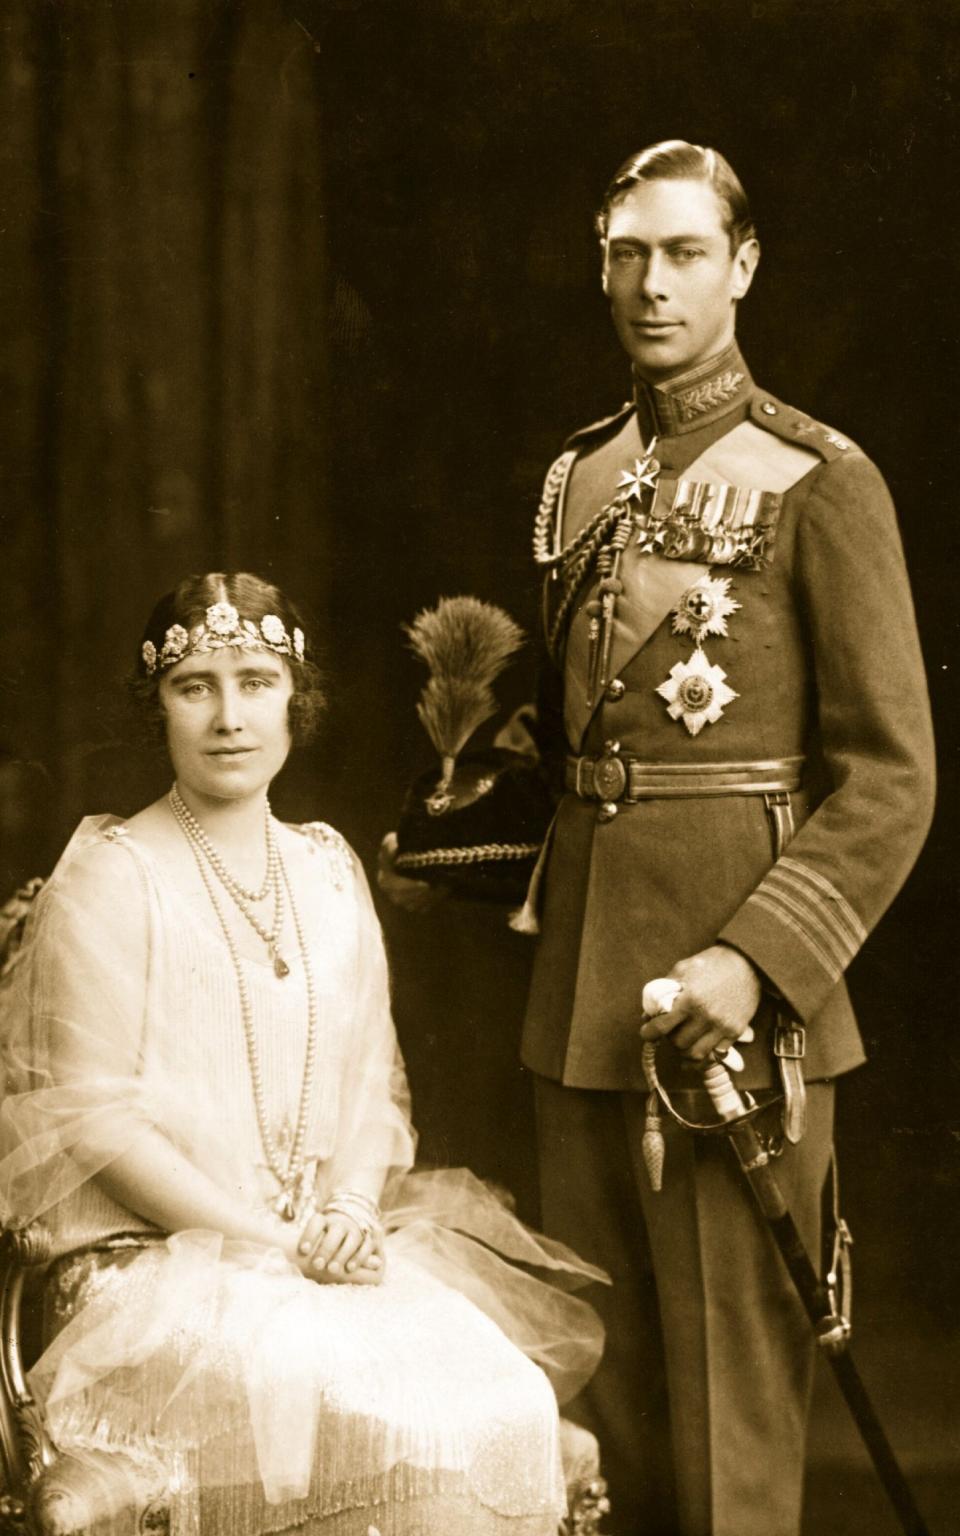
<point x="692" y="399"/>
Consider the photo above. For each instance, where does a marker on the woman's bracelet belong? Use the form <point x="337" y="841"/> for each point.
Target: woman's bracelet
<point x="357" y="1197"/>
<point x="358" y="1207"/>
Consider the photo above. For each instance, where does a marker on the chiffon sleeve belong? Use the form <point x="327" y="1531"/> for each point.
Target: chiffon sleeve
<point x="72" y="1015"/>
<point x="76" y="1014"/>
<point x="375" y="1133"/>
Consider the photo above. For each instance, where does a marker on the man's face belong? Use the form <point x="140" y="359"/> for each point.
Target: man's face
<point x="671" y="277"/>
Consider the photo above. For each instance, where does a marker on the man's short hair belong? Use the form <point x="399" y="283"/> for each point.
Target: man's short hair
<point x="676" y="160"/>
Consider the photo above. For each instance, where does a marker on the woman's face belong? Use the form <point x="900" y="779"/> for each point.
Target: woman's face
<point x="228" y="732"/>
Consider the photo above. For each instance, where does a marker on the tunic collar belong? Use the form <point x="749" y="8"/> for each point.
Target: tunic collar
<point x="693" y="399"/>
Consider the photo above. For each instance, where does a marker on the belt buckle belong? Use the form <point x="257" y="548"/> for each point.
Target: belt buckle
<point x="610" y="774"/>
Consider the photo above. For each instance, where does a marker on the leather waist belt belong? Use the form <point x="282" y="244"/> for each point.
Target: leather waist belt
<point x="616" y="776"/>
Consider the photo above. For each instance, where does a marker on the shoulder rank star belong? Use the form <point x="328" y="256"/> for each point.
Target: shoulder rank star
<point x="696" y="692"/>
<point x="704" y="609"/>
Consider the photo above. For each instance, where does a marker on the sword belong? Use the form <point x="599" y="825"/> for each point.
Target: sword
<point x="832" y="1330"/>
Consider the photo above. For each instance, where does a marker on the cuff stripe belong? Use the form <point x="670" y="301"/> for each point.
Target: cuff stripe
<point x="838" y="908"/>
<point x="783" y="914"/>
<point x="822" y="900"/>
<point x="833" y="939"/>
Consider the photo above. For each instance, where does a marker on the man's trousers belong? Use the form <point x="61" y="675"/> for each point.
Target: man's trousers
<point x="709" y="1355"/>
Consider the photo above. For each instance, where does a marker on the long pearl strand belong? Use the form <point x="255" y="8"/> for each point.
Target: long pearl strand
<point x="290" y="1175"/>
<point x="198" y="839"/>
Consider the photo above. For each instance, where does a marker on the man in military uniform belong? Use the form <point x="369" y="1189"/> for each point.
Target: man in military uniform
<point x="738" y="695"/>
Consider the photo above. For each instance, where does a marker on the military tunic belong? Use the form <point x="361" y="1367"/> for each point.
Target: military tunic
<point x="823" y="656"/>
<point x="811" y="669"/>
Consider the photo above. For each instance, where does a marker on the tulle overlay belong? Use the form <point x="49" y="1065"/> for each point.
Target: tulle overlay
<point x="270" y="1400"/>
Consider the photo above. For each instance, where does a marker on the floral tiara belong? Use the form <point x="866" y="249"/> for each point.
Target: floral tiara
<point x="222" y="626"/>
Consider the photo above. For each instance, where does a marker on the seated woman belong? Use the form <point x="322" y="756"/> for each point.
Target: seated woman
<point x="207" y="1107"/>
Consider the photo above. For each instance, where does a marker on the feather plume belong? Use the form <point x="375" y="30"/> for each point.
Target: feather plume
<point x="466" y="644"/>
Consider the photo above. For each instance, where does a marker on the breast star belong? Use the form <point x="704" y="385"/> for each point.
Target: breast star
<point x="704" y="609"/>
<point x="696" y="692"/>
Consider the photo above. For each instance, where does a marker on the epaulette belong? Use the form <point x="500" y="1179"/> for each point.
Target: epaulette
<point x="601" y="427"/>
<point x="795" y="426"/>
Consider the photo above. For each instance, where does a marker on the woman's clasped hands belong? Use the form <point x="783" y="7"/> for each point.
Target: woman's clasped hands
<point x="343" y="1243"/>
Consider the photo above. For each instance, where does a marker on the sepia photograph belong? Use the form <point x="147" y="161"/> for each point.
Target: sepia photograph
<point x="478" y="742"/>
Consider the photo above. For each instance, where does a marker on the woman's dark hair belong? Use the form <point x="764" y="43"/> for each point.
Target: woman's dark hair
<point x="253" y="599"/>
<point x="676" y="160"/>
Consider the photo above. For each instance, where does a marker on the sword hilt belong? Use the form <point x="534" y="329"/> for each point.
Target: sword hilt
<point x="733" y="1110"/>
<point x="724" y="1096"/>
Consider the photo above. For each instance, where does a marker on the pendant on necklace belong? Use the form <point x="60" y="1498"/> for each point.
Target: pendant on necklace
<point x="284" y="1205"/>
<point x="280" y="966"/>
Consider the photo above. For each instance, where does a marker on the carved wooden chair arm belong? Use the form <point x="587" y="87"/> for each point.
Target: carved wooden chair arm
<point x="26" y="1447"/>
<point x="47" y="1493"/>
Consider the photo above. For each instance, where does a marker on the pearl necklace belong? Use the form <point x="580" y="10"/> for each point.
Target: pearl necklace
<point x="186" y="817"/>
<point x="289" y="1175"/>
<point x="200" y="843"/>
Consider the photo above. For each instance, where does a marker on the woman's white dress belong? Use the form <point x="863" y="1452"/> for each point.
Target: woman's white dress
<point x="412" y="1407"/>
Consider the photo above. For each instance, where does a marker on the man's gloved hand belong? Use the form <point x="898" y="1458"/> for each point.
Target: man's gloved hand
<point x="720" y="993"/>
<point x="411" y="895"/>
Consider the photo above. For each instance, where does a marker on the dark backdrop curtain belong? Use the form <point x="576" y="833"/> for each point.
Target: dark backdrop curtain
<point x="164" y="294"/>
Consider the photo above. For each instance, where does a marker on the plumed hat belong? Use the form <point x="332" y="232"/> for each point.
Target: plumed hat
<point x="479" y="825"/>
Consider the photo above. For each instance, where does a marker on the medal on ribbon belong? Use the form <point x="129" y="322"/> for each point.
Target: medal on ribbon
<point x="716" y="523"/>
